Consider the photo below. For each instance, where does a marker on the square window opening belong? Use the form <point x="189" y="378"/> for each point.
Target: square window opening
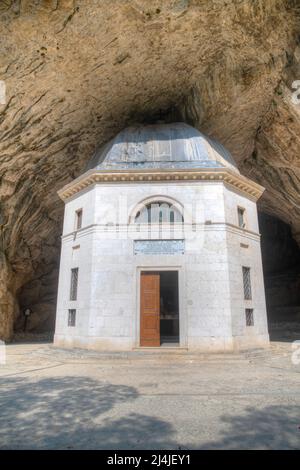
<point x="72" y="317"/>
<point x="249" y="317"/>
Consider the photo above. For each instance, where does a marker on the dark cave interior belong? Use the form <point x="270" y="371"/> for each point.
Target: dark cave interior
<point x="281" y="266"/>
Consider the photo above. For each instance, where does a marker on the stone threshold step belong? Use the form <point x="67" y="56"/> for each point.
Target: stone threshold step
<point x="153" y="354"/>
<point x="161" y="349"/>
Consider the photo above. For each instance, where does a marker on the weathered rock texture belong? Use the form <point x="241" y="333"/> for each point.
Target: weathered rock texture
<point x="78" y="71"/>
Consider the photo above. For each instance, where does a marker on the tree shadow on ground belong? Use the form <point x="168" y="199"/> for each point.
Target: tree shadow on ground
<point x="273" y="427"/>
<point x="69" y="412"/>
<point x="83" y="413"/>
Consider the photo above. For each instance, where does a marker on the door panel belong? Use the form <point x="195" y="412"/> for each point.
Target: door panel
<point x="150" y="309"/>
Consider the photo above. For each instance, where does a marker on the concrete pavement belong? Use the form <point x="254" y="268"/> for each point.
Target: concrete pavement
<point x="58" y="399"/>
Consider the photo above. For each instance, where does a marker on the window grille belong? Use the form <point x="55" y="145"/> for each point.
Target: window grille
<point x="158" y="213"/>
<point x="74" y="284"/>
<point x="249" y="317"/>
<point x="72" y="317"/>
<point x="247" y="283"/>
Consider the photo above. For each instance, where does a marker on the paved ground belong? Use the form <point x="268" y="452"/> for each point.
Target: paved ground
<point x="51" y="398"/>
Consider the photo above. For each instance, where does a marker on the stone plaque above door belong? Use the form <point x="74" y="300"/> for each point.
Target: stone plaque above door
<point x="159" y="247"/>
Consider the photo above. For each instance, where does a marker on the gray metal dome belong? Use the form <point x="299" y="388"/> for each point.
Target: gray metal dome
<point x="165" y="146"/>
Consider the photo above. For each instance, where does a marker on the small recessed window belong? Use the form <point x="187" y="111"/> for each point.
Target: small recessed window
<point x="75" y="254"/>
<point x="74" y="284"/>
<point x="72" y="317"/>
<point x="241" y="217"/>
<point x="249" y="317"/>
<point x="247" y="283"/>
<point x="78" y="222"/>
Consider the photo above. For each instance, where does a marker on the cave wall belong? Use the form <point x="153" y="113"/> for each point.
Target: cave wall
<point x="78" y="71"/>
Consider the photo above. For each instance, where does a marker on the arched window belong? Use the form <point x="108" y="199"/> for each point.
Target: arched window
<point x="158" y="212"/>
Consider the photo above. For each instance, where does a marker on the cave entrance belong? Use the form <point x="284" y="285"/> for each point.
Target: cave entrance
<point x="281" y="266"/>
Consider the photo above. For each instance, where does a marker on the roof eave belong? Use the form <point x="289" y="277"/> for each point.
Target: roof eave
<point x="227" y="175"/>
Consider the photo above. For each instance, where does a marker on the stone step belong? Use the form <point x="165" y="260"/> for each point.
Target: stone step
<point x="144" y="354"/>
<point x="152" y="355"/>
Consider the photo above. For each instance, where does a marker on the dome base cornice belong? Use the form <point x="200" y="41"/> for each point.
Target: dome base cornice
<point x="240" y="183"/>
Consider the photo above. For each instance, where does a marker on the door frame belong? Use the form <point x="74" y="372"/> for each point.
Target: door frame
<point x="182" y="317"/>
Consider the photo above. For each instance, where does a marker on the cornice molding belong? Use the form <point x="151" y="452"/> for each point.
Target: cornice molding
<point x="225" y="175"/>
<point x="178" y="230"/>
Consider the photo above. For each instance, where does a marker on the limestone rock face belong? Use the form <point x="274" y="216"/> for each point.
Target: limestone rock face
<point x="78" y="71"/>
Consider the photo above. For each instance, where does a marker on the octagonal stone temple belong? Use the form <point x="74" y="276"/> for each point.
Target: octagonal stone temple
<point x="161" y="247"/>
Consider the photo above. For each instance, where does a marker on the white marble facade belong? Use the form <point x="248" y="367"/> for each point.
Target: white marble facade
<point x="212" y="307"/>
